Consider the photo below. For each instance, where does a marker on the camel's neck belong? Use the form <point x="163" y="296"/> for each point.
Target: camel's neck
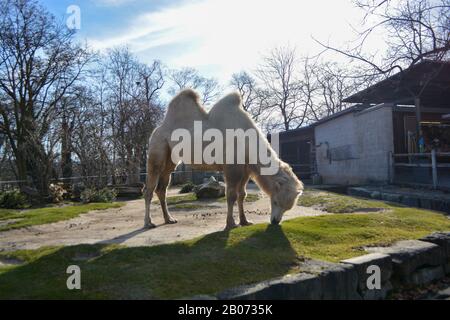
<point x="265" y="182"/>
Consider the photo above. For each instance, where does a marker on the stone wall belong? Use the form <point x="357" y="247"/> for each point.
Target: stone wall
<point x="354" y="147"/>
<point x="411" y="262"/>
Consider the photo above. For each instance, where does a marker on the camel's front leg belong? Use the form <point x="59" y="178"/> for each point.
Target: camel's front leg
<point x="231" y="200"/>
<point x="242" y="194"/>
<point x="161" y="192"/>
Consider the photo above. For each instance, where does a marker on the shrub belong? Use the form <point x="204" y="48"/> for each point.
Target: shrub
<point x="188" y="187"/>
<point x="13" y="199"/>
<point x="99" y="196"/>
<point x="57" y="192"/>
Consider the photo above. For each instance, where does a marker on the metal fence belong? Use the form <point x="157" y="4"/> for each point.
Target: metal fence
<point x="177" y="177"/>
<point x="421" y="169"/>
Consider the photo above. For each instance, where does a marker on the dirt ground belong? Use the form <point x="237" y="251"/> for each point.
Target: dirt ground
<point x="124" y="225"/>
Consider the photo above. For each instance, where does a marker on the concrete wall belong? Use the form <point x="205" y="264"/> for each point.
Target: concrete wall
<point x="358" y="144"/>
<point x="408" y="263"/>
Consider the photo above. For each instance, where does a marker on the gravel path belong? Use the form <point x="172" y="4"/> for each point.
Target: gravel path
<point x="124" y="226"/>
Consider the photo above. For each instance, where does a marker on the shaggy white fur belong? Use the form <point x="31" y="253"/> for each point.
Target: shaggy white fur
<point x="282" y="187"/>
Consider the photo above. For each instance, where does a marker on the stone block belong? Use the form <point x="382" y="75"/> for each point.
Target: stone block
<point x="376" y="294"/>
<point x="426" y="275"/>
<point x="340" y="283"/>
<point x="442" y="239"/>
<point x="318" y="280"/>
<point x="361" y="264"/>
<point x="359" y="192"/>
<point x="391" y="197"/>
<point x="299" y="286"/>
<point x="411" y="255"/>
<point x="410" y="201"/>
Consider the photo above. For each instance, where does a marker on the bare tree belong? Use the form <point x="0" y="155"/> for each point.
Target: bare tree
<point x="246" y="85"/>
<point x="208" y="88"/>
<point x="329" y="84"/>
<point x="38" y="64"/>
<point x="135" y="108"/>
<point x="415" y="30"/>
<point x="281" y="88"/>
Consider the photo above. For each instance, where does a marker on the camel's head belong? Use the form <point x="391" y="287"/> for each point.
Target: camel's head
<point x="287" y="189"/>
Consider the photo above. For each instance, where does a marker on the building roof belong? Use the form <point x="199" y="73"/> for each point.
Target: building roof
<point x="428" y="80"/>
<point x="301" y="130"/>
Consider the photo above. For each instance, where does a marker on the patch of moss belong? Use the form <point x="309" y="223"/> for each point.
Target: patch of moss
<point x="337" y="203"/>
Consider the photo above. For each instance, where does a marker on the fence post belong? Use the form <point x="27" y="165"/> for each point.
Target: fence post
<point x="434" y="168"/>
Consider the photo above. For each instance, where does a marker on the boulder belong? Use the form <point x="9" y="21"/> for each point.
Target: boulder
<point x="212" y="189"/>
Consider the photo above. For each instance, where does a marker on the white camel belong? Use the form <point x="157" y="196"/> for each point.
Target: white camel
<point x="283" y="187"/>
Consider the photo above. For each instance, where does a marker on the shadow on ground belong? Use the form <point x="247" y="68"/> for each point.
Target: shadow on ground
<point x="203" y="266"/>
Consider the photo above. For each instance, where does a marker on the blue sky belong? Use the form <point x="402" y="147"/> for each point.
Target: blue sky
<point x="218" y="37"/>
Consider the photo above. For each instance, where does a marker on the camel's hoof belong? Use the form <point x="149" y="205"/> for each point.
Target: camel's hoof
<point x="171" y="221"/>
<point x="149" y="226"/>
<point x="231" y="227"/>
<point x="246" y="223"/>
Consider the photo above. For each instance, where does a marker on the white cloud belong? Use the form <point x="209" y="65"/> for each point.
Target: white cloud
<point x="230" y="35"/>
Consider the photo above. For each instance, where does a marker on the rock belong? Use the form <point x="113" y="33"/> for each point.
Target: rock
<point x="359" y="192"/>
<point x="362" y="263"/>
<point x="410" y="201"/>
<point x="409" y="256"/>
<point x="128" y="191"/>
<point x="375" y="294"/>
<point x="426" y="275"/>
<point x="447" y="268"/>
<point x="340" y="283"/>
<point x="299" y="286"/>
<point x="210" y="190"/>
<point x="376" y="195"/>
<point x="443" y="294"/>
<point x="318" y="280"/>
<point x="392" y="197"/>
<point x="442" y="239"/>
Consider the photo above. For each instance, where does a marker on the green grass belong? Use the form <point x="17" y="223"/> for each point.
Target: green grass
<point x="46" y="215"/>
<point x="337" y="203"/>
<point x="211" y="263"/>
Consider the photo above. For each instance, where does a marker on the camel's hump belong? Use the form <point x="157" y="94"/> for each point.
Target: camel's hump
<point x="186" y="94"/>
<point x="232" y="100"/>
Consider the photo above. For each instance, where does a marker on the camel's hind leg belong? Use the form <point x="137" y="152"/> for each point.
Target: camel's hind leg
<point x="241" y="195"/>
<point x="157" y="160"/>
<point x="233" y="176"/>
<point x="161" y="192"/>
<point x="150" y="186"/>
